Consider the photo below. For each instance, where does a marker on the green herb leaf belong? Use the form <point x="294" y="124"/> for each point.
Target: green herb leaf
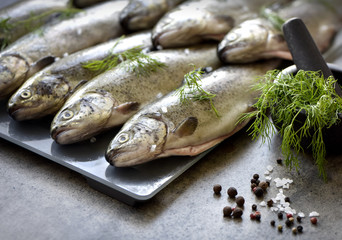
<point x="192" y="89"/>
<point x="307" y="92"/>
<point x="273" y="17"/>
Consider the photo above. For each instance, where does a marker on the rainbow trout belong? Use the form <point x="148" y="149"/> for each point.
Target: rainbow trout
<point x="111" y="98"/>
<point x="201" y="20"/>
<point x="258" y="38"/>
<point x="168" y="127"/>
<point x="35" y="51"/>
<point x="144" y="14"/>
<point x="46" y="91"/>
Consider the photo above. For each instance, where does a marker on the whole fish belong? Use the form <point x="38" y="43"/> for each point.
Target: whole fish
<point x="258" y="38"/>
<point x="200" y="20"/>
<point x="34" y="51"/>
<point x="144" y="14"/>
<point x="46" y="91"/>
<point x="111" y="98"/>
<point x="20" y="12"/>
<point x="169" y="127"/>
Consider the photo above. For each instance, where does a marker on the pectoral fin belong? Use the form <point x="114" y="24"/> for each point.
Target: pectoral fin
<point x="40" y="64"/>
<point x="186" y="127"/>
<point x="127" y="107"/>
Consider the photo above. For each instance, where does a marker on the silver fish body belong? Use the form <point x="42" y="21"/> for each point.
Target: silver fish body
<point x="144" y="14"/>
<point x="111" y="98"/>
<point x="23" y="10"/>
<point x="35" y="51"/>
<point x="258" y="38"/>
<point x="168" y="127"/>
<point x="200" y="20"/>
<point x="46" y="91"/>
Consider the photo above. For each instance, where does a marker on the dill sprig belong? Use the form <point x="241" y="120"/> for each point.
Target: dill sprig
<point x="284" y="99"/>
<point x="132" y="60"/>
<point x="192" y="89"/>
<point x="273" y="18"/>
<point x="32" y="23"/>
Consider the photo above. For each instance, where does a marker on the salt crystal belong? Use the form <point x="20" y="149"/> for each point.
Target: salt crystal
<point x="301" y="214"/>
<point x="274" y="209"/>
<point x="262" y="204"/>
<point x="65" y="54"/>
<point x="57" y="59"/>
<point x="269" y="168"/>
<point x="314" y="214"/>
<point x="159" y="95"/>
<point x="266" y="172"/>
<point x="164" y="109"/>
<point x="153" y="147"/>
<point x="186" y="51"/>
<point x="268" y="178"/>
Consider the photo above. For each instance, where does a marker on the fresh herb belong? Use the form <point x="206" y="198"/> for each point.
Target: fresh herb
<point x="133" y="60"/>
<point x="273" y="18"/>
<point x="307" y="92"/>
<point x="192" y="89"/>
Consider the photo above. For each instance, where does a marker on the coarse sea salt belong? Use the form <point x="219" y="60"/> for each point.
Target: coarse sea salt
<point x="269" y="168"/>
<point x="186" y="51"/>
<point x="301" y="214"/>
<point x="262" y="204"/>
<point x="314" y="214"/>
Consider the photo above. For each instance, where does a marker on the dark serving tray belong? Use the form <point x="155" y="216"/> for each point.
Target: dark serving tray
<point x="130" y="185"/>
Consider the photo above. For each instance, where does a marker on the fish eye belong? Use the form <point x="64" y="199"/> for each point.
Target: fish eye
<point x="67" y="114"/>
<point x="25" y="94"/>
<point x="123" y="137"/>
<point x="232" y="36"/>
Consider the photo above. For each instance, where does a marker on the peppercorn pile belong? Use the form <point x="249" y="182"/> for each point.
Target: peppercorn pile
<point x="279" y="204"/>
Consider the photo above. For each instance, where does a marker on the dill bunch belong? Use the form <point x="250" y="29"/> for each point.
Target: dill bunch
<point x="192" y="89"/>
<point x="288" y="99"/>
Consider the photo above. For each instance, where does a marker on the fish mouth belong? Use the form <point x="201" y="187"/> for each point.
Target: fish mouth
<point x="227" y="53"/>
<point x="113" y="157"/>
<point x="63" y="135"/>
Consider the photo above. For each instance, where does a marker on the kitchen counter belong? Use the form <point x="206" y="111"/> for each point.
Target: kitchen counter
<point x="41" y="199"/>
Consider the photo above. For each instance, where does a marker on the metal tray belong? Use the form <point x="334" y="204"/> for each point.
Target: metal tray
<point x="130" y="185"/>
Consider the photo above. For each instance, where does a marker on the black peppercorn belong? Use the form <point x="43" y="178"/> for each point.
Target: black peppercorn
<point x="237" y="213"/>
<point x="268" y="183"/>
<point x="270" y="203"/>
<point x="279" y="161"/>
<point x="287" y="199"/>
<point x="253" y="185"/>
<point x="280" y="215"/>
<point x="299" y="219"/>
<point x="263" y="185"/>
<point x="256" y="176"/>
<point x="258" y="191"/>
<point x="232" y="192"/>
<point x="240" y="201"/>
<point x="258" y="217"/>
<point x="300" y="228"/>
<point x="257" y="182"/>
<point x="254" y="207"/>
<point x="288" y="222"/>
<point x="217" y="189"/>
<point x="227" y="211"/>
<point x="253" y="180"/>
<point x="272" y="223"/>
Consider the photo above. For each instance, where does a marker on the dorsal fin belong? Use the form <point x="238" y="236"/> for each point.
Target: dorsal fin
<point x="186" y="127"/>
<point x="40" y="64"/>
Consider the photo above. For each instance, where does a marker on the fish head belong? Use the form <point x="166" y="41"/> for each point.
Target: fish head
<point x="139" y="141"/>
<point x="140" y="14"/>
<point x="82" y="117"/>
<point x="39" y="96"/>
<point x="13" y="70"/>
<point x="182" y="28"/>
<point x="250" y="41"/>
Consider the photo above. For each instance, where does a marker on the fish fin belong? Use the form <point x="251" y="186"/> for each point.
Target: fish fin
<point x="127" y="107"/>
<point x="186" y="127"/>
<point x="40" y="64"/>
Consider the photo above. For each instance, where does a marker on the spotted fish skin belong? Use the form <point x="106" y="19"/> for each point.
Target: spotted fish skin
<point x="36" y="50"/>
<point x="111" y="98"/>
<point x="168" y="127"/>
